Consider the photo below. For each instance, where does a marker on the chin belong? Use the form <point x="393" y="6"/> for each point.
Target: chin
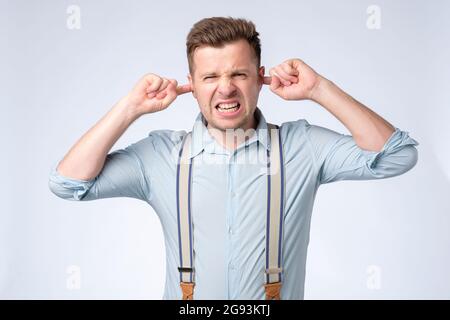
<point x="236" y="125"/>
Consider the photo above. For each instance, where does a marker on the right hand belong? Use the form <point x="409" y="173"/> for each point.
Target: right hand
<point x="153" y="93"/>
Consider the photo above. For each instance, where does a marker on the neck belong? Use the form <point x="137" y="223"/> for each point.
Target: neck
<point x="230" y="139"/>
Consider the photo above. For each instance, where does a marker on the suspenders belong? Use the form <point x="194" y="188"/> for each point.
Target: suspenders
<point x="274" y="221"/>
<point x="185" y="241"/>
<point x="275" y="209"/>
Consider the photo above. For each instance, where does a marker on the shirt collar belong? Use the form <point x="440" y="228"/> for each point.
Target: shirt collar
<point x="202" y="139"/>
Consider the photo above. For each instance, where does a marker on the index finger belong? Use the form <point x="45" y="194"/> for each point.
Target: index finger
<point x="267" y="80"/>
<point x="184" y="89"/>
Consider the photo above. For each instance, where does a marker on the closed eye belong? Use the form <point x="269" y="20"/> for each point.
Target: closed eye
<point x="241" y="75"/>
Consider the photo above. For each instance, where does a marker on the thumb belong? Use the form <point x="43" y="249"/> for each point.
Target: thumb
<point x="171" y="93"/>
<point x="275" y="83"/>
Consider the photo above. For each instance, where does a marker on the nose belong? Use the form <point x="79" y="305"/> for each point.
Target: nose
<point x="226" y="87"/>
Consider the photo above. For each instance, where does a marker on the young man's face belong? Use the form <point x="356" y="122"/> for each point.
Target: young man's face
<point x="226" y="83"/>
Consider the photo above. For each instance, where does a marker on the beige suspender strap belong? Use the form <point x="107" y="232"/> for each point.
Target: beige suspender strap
<point x="185" y="234"/>
<point x="275" y="210"/>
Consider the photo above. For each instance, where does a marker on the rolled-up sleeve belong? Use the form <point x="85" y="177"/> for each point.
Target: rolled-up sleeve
<point x="123" y="175"/>
<point x="338" y="157"/>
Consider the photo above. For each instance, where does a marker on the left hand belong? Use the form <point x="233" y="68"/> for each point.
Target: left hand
<point x="293" y="80"/>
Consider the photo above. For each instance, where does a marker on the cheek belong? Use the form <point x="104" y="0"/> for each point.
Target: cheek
<point x="252" y="91"/>
<point x="205" y="93"/>
<point x="203" y="97"/>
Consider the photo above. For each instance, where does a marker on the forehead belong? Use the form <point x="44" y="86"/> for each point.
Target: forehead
<point x="235" y="55"/>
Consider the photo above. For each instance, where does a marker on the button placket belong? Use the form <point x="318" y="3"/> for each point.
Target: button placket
<point x="229" y="220"/>
<point x="232" y="270"/>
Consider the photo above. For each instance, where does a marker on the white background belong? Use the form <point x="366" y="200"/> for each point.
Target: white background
<point x="384" y="239"/>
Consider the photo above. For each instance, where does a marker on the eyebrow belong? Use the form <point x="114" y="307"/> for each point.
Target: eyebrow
<point x="233" y="72"/>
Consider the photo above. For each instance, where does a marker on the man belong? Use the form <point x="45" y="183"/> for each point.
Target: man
<point x="229" y="139"/>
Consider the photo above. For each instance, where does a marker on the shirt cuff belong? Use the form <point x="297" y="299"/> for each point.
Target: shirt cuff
<point x="397" y="141"/>
<point x="70" y="188"/>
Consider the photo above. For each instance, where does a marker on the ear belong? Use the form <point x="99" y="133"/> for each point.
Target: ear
<point x="191" y="82"/>
<point x="261" y="72"/>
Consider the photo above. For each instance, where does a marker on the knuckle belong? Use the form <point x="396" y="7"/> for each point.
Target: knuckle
<point x="152" y="77"/>
<point x="157" y="82"/>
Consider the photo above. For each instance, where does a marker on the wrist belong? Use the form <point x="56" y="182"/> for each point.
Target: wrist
<point x="319" y="89"/>
<point x="128" y="109"/>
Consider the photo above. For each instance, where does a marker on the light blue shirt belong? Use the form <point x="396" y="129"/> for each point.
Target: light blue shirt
<point x="229" y="197"/>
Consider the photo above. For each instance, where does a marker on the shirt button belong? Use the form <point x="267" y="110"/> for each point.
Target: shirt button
<point x="232" y="266"/>
<point x="230" y="230"/>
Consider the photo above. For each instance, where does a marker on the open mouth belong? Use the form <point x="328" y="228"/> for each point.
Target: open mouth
<point x="228" y="107"/>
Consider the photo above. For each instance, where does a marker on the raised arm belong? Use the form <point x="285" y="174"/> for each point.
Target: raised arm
<point x="295" y="80"/>
<point x="369" y="130"/>
<point x="86" y="158"/>
<point x="374" y="150"/>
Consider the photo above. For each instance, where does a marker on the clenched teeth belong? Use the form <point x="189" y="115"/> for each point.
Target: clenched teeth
<point x="227" y="105"/>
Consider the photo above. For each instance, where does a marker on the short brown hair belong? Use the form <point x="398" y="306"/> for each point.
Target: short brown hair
<point x="218" y="31"/>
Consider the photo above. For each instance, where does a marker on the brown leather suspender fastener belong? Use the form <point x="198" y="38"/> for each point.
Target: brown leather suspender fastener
<point x="188" y="290"/>
<point x="273" y="291"/>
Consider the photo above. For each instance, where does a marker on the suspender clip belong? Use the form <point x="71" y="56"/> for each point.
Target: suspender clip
<point x="274" y="270"/>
